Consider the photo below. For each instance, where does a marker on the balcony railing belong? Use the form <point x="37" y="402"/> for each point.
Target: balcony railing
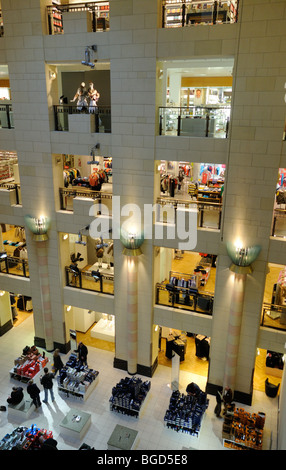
<point x="90" y="280"/>
<point x="209" y="213"/>
<point x="273" y="316"/>
<point x="13" y="186"/>
<point x="14" y="266"/>
<point x="184" y="298"/>
<point x="99" y="11"/>
<point x="176" y="13"/>
<point x="195" y="121"/>
<point x="6" y="116"/>
<point x="66" y="193"/>
<point x="102" y="117"/>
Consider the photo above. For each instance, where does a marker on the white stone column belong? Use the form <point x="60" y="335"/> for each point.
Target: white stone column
<point x="42" y="255"/>
<point x="132" y="313"/>
<point x="234" y="327"/>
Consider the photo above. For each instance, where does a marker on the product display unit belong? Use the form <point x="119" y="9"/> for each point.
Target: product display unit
<point x="129" y="395"/>
<point x="185" y="412"/>
<point x="76" y="379"/>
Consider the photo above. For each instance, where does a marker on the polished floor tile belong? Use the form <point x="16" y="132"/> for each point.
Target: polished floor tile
<point x="152" y="432"/>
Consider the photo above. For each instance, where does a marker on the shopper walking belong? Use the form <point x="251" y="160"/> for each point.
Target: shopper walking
<point x="58" y="363"/>
<point x="82" y="353"/>
<point x="217" y="409"/>
<point x="227" y="399"/>
<point x="34" y="392"/>
<point x="47" y="382"/>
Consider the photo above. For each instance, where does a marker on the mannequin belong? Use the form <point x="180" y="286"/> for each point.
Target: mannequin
<point x="93" y="98"/>
<point x="80" y="96"/>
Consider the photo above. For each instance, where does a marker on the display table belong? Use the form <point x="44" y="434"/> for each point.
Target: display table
<point x="77" y="380"/>
<point x="122" y="438"/>
<point x="243" y="430"/>
<point x="29" y="365"/>
<point x="129" y="395"/>
<point x="103" y="269"/>
<point x="76" y="393"/>
<point x="185" y="412"/>
<point x="23" y="438"/>
<point x="75" y="429"/>
<point x="104" y="329"/>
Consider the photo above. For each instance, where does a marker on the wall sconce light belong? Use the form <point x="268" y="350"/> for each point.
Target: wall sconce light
<point x="68" y="308"/>
<point x="242" y="257"/>
<point x="65" y="236"/>
<point x="52" y="75"/>
<point x="3" y="255"/>
<point x="39" y="226"/>
<point x="88" y="52"/>
<point x="132" y="243"/>
<point x="2" y="292"/>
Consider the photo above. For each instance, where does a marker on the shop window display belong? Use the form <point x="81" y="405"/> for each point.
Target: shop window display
<point x="274" y="302"/>
<point x="180" y="13"/>
<point x="90" y="265"/>
<point x="98" y="11"/>
<point x="190" y="284"/>
<point x="203" y="112"/>
<point x="279" y="212"/>
<point x="9" y="175"/>
<point x="14" y="259"/>
<point x="198" y="186"/>
<point x="86" y="178"/>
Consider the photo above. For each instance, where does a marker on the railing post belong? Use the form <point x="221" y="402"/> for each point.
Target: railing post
<point x="50" y="24"/>
<point x="67" y="277"/>
<point x="183" y="14"/>
<point x="207" y="124"/>
<point x="93" y="21"/>
<point x="227" y="127"/>
<point x="8" y="116"/>
<point x="17" y="194"/>
<point x="56" y="117"/>
<point x="179" y="125"/>
<point x="163" y="15"/>
<point x="61" y="201"/>
<point x="97" y="122"/>
<point x="24" y="267"/>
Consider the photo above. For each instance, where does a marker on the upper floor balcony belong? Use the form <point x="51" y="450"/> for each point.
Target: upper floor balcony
<point x="9" y="179"/>
<point x="78" y="17"/>
<point x="13" y="251"/>
<point x="190" y="284"/>
<point x="180" y="13"/>
<point x="195" y="121"/>
<point x="6" y="115"/>
<point x="74" y="118"/>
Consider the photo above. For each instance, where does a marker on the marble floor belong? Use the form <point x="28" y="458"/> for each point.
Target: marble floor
<point x="152" y="433"/>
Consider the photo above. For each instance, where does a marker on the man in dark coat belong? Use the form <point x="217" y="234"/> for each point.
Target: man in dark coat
<point x="34" y="392"/>
<point x="16" y="396"/>
<point x="82" y="353"/>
